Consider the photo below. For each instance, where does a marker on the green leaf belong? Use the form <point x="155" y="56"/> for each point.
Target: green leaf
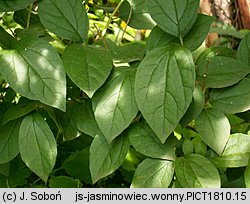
<point x="196" y="171"/>
<point x="164" y="85"/>
<point x="215" y="51"/>
<point x="236" y="153"/>
<point x="214" y="129"/>
<point x="14" y="5"/>
<point x="187" y="147"/>
<point x="153" y="173"/>
<point x="21" y="17"/>
<point x="85" y="119"/>
<point x="198" y="33"/>
<point x="243" y="52"/>
<point x="9" y="134"/>
<point x="220" y="72"/>
<point x="146" y="142"/>
<point x="19" y="110"/>
<point x="175" y="17"/>
<point x="105" y="158"/>
<point x="137" y="12"/>
<point x="77" y="165"/>
<point x="233" y="99"/>
<point x="63" y="182"/>
<point x="67" y="120"/>
<point x="37" y="145"/>
<point x="194" y="38"/>
<point x="88" y="67"/>
<point x="35" y="70"/>
<point x="195" y="107"/>
<point x="114" y="104"/>
<point x="6" y="40"/>
<point x="67" y="19"/>
<point x="17" y="174"/>
<point x="247" y="176"/>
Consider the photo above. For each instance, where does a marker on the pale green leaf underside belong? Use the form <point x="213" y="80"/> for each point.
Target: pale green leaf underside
<point x="105" y="158"/>
<point x="164" y="87"/>
<point x="14" y="5"/>
<point x="234" y="99"/>
<point x="37" y="145"/>
<point x="88" y="67"/>
<point x="214" y="129"/>
<point x="35" y="70"/>
<point x="153" y="173"/>
<point x="114" y="104"/>
<point x="196" y="171"/>
<point x="9" y="134"/>
<point x="236" y="153"/>
<point x="175" y="17"/>
<point x="65" y="18"/>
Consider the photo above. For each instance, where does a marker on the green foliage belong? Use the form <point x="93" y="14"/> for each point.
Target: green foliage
<point x="84" y="105"/>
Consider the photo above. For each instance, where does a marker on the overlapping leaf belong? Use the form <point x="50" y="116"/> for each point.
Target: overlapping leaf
<point x="236" y="153"/>
<point x="137" y="13"/>
<point x="105" y="158"/>
<point x="9" y="134"/>
<point x="220" y="72"/>
<point x="196" y="171"/>
<point x="243" y="52"/>
<point x="37" y="145"/>
<point x="146" y="142"/>
<point x="67" y="19"/>
<point x="14" y="5"/>
<point x="6" y="40"/>
<point x="164" y="87"/>
<point x="153" y="173"/>
<point x="214" y="129"/>
<point x="233" y="99"/>
<point x="175" y="17"/>
<point x="193" y="39"/>
<point x="114" y="104"/>
<point x="35" y="70"/>
<point x="88" y="67"/>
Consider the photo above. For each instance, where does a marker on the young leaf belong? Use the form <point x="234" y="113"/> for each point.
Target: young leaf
<point x="193" y="39"/>
<point x="146" y="142"/>
<point x="175" y="17"/>
<point x="195" y="107"/>
<point x="247" y="176"/>
<point x="67" y="19"/>
<point x="243" y="52"/>
<point x="14" y="5"/>
<point x="153" y="173"/>
<point x="77" y="165"/>
<point x="88" y="67"/>
<point x="85" y="119"/>
<point x="6" y="40"/>
<point x="220" y="72"/>
<point x="196" y="171"/>
<point x="63" y="182"/>
<point x="214" y="129"/>
<point x="236" y="153"/>
<point x="164" y="85"/>
<point x="234" y="99"/>
<point x="105" y="158"/>
<point x="37" y="145"/>
<point x="139" y="16"/>
<point x="35" y="70"/>
<point x="9" y="134"/>
<point x="114" y="104"/>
